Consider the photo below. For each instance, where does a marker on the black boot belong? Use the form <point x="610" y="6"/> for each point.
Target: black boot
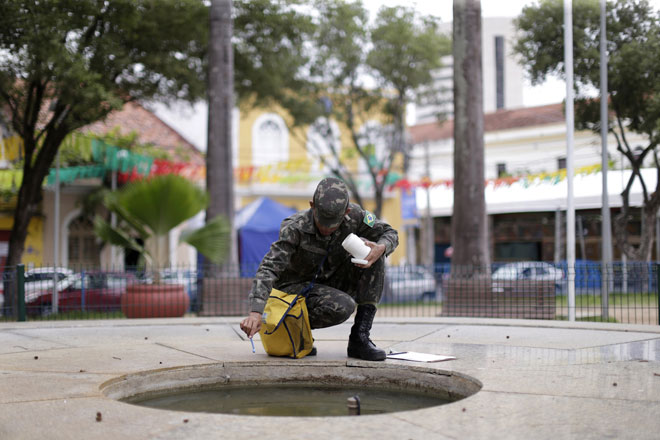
<point x="359" y="344"/>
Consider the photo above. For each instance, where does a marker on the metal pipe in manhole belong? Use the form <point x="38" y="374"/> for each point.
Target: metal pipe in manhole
<point x="353" y="404"/>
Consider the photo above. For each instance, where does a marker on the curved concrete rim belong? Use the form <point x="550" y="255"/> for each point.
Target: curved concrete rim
<point x="448" y="385"/>
<point x="540" y="379"/>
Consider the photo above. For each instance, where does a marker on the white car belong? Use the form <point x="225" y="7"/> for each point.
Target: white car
<point x="41" y="279"/>
<point x="408" y="283"/>
<point x="526" y="271"/>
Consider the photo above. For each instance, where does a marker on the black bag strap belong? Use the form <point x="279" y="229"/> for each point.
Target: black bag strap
<point x="303" y="294"/>
<point x="308" y="287"/>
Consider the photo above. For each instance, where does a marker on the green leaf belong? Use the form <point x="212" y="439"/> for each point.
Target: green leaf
<point x="212" y="240"/>
<point x="111" y="201"/>
<point x="163" y="202"/>
<point x="117" y="236"/>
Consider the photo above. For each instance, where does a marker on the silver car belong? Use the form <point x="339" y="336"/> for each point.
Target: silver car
<point x="408" y="283"/>
<point x="526" y="271"/>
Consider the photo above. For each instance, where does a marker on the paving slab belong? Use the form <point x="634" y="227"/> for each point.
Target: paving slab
<point x="546" y="380"/>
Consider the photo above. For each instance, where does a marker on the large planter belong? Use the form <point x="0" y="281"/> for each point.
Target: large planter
<point x="154" y="301"/>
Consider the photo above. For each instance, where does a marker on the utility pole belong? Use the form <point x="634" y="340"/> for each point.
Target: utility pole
<point x="570" y="128"/>
<point x="429" y="230"/>
<point x="56" y="236"/>
<point x="605" y="210"/>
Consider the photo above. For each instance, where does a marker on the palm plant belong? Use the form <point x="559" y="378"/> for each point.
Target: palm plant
<point x="149" y="209"/>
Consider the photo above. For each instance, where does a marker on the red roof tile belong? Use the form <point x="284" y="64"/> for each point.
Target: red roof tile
<point x="496" y="121"/>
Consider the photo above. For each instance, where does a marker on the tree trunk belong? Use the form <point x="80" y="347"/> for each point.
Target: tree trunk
<point x="469" y="224"/>
<point x="650" y="207"/>
<point x="644" y="251"/>
<point x="29" y="197"/>
<point x="219" y="169"/>
<point x="27" y="205"/>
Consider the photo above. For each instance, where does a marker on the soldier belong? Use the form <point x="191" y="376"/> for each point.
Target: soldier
<point x="309" y="246"/>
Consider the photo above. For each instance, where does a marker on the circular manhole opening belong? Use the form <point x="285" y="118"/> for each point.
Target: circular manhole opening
<point x="292" y="388"/>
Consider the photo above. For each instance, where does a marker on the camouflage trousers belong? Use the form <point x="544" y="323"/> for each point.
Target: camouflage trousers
<point x="331" y="302"/>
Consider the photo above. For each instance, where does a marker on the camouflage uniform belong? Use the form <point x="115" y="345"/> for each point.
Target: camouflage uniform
<point x="293" y="261"/>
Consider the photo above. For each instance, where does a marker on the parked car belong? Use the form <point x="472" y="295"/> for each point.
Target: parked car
<point x="41" y="279"/>
<point x="97" y="291"/>
<point x="505" y="277"/>
<point x="408" y="283"/>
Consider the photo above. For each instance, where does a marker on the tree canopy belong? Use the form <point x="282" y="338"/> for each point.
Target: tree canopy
<point x="65" y="64"/>
<point x="633" y="50"/>
<point x="363" y="71"/>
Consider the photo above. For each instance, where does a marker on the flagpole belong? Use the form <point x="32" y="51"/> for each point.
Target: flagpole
<point x="570" y="127"/>
<point x="605" y="210"/>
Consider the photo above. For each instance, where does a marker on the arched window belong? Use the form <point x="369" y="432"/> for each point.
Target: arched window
<point x="322" y="137"/>
<point x="270" y="140"/>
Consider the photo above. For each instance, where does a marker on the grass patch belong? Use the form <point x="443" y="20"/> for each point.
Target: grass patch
<point x="637" y="300"/>
<point x="418" y="303"/>
<point x="586" y="319"/>
<point x="78" y="314"/>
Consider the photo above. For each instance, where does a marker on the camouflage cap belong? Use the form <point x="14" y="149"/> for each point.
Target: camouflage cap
<point x="330" y="202"/>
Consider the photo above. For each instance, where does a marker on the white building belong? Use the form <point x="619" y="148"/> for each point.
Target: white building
<point x="524" y="150"/>
<point x="517" y="142"/>
<point x="502" y="75"/>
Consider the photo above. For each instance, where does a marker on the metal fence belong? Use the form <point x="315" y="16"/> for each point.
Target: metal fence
<point x="625" y="293"/>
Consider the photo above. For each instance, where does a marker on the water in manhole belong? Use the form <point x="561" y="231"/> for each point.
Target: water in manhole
<point x="291" y="400"/>
<point x="291" y="388"/>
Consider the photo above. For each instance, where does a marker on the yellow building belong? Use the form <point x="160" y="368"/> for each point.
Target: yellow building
<point x="273" y="160"/>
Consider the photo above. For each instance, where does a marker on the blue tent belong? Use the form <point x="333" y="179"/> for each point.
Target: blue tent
<point x="258" y="226"/>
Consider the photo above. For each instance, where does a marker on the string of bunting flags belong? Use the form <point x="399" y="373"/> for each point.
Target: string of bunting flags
<point x="527" y="180"/>
<point x="128" y="165"/>
<point x="294" y="172"/>
<point x="131" y="166"/>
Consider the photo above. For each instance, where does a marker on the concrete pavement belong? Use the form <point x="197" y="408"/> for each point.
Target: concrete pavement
<point x="541" y="379"/>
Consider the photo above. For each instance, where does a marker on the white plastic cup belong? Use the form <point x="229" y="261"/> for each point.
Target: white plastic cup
<point x="356" y="247"/>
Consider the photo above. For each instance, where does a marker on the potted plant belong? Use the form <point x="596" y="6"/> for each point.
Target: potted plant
<point x="147" y="211"/>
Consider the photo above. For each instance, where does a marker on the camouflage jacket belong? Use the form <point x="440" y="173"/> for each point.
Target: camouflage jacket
<point x="296" y="255"/>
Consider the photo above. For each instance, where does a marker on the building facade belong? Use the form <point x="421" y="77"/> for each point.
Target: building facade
<point x="275" y="161"/>
<point x="526" y="193"/>
<point x="502" y="74"/>
<point x="78" y="244"/>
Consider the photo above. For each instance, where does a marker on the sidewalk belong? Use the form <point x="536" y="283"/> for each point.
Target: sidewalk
<point x="541" y="379"/>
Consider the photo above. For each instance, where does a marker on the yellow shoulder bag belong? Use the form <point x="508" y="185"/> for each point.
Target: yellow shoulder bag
<point x="285" y="329"/>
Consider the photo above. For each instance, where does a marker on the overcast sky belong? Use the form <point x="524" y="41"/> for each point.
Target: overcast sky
<point x="191" y="122"/>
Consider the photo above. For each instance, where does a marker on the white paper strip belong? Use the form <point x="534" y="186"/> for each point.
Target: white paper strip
<point x="419" y="357"/>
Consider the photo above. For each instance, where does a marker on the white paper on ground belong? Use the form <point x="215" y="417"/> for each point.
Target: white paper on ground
<point x="419" y="357"/>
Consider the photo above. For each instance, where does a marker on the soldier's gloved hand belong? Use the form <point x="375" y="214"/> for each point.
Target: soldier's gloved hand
<point x="252" y="324"/>
<point x="377" y="251"/>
